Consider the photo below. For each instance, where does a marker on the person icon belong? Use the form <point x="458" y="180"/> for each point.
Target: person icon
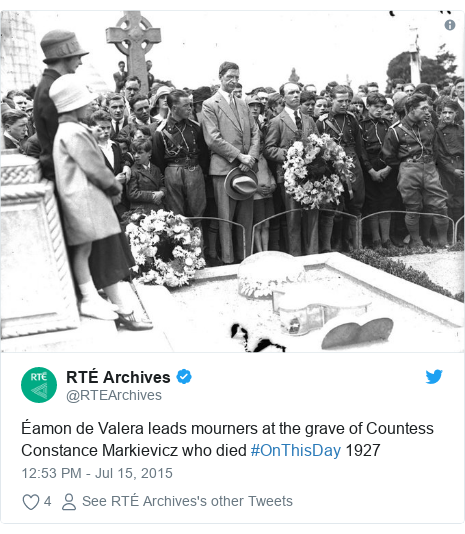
<point x="69" y="506"/>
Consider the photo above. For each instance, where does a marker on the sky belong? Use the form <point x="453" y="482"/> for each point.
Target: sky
<point x="321" y="45"/>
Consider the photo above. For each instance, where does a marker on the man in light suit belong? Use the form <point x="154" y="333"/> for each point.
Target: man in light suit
<point x="233" y="138"/>
<point x="290" y="125"/>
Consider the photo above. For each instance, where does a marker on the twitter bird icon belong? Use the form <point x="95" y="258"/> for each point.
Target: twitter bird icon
<point x="433" y="377"/>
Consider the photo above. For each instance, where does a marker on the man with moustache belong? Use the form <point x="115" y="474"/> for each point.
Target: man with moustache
<point x="291" y="125"/>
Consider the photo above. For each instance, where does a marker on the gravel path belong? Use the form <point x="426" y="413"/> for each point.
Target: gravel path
<point x="444" y="268"/>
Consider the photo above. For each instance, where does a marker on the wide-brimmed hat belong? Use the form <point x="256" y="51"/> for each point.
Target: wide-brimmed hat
<point x="60" y="44"/>
<point x="201" y="94"/>
<point x="253" y="99"/>
<point x="68" y="93"/>
<point x="161" y="91"/>
<point x="240" y="185"/>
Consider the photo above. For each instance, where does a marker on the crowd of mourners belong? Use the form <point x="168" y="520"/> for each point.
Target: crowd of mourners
<point x="218" y="153"/>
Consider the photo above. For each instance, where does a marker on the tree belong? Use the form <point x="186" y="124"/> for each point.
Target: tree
<point x="432" y="70"/>
<point x="399" y="67"/>
<point x="447" y="60"/>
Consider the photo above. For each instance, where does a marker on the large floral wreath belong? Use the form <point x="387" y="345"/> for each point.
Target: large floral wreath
<point x="166" y="247"/>
<point x="315" y="169"/>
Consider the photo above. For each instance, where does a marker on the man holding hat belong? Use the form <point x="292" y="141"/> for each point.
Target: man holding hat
<point x="62" y="56"/>
<point x="233" y="138"/>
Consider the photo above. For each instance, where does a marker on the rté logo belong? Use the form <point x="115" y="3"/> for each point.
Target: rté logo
<point x="39" y="376"/>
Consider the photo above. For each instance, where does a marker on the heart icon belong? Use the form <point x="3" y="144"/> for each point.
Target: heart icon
<point x="31" y="501"/>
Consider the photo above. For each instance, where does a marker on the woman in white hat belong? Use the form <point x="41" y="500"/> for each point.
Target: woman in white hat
<point x="85" y="186"/>
<point x="160" y="109"/>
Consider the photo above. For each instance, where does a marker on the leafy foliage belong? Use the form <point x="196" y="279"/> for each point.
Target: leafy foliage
<point x="399" y="67"/>
<point x="399" y="269"/>
<point x="432" y="70"/>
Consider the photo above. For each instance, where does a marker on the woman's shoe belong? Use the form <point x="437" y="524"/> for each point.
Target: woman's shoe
<point x="98" y="309"/>
<point x="129" y="321"/>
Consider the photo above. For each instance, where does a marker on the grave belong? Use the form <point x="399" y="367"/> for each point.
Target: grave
<point x="201" y="315"/>
<point x="198" y="318"/>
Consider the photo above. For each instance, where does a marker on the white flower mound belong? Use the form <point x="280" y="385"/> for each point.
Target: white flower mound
<point x="261" y="274"/>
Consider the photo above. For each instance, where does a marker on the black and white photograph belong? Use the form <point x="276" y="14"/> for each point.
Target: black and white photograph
<point x="210" y="182"/>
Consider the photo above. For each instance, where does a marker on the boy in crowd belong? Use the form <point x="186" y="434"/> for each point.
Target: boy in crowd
<point x="146" y="187"/>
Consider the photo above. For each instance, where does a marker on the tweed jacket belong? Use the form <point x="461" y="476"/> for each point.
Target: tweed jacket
<point x="282" y="132"/>
<point x="142" y="184"/>
<point x="84" y="184"/>
<point x="226" y="136"/>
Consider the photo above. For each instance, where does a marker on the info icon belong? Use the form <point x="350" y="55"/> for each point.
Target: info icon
<point x="449" y="24"/>
<point x="39" y="384"/>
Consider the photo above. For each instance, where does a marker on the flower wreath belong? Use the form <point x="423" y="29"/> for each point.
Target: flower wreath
<point x="315" y="169"/>
<point x="166" y="247"/>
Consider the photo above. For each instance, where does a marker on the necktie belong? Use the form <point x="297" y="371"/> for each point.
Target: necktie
<point x="232" y="104"/>
<point x="298" y="120"/>
<point x="116" y="127"/>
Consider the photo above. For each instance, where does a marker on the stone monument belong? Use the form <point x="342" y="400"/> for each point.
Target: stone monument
<point x="20" y="66"/>
<point x="415" y="58"/>
<point x="134" y="30"/>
